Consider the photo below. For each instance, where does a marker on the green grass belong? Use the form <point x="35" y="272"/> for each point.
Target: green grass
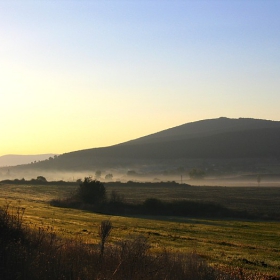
<point x="220" y="242"/>
<point x="252" y="199"/>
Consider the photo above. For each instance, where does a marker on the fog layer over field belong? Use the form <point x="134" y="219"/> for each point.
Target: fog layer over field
<point x="126" y="174"/>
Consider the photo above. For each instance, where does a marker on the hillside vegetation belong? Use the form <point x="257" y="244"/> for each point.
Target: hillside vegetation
<point x="223" y="138"/>
<point x="11" y="160"/>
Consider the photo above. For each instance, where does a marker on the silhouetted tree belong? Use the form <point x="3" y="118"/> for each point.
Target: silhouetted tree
<point x="97" y="174"/>
<point x="79" y="181"/>
<point x="41" y="179"/>
<point x="131" y="173"/>
<point x="196" y="173"/>
<point x="153" y="206"/>
<point x="109" y="177"/>
<point x="116" y="197"/>
<point x="92" y="191"/>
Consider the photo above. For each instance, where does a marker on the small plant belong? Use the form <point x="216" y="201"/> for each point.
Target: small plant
<point x="104" y="232"/>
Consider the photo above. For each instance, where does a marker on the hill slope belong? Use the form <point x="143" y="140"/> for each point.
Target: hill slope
<point x="11" y="160"/>
<point x="204" y="128"/>
<point x="221" y="138"/>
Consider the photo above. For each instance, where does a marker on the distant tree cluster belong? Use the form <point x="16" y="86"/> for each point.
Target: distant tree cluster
<point x="91" y="195"/>
<point x="131" y="173"/>
<point x="98" y="174"/>
<point x="109" y="176"/>
<point x="196" y="173"/>
<point x="41" y="179"/>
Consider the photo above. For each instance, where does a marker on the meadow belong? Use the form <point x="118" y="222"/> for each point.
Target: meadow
<point x="250" y="244"/>
<point x="261" y="201"/>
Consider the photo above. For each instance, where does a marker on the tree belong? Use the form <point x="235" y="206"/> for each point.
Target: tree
<point x="196" y="173"/>
<point x="131" y="173"/>
<point x="79" y="181"/>
<point x="116" y="198"/>
<point x="41" y="179"/>
<point x="153" y="206"/>
<point x="109" y="177"/>
<point x="97" y="174"/>
<point x="92" y="191"/>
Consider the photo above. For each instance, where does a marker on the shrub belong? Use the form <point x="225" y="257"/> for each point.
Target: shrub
<point x="154" y="206"/>
<point x="196" y="173"/>
<point x="104" y="232"/>
<point x="92" y="191"/>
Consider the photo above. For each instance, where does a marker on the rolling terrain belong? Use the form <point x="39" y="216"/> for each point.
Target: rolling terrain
<point x="247" y="244"/>
<point x="11" y="160"/>
<point x="248" y="144"/>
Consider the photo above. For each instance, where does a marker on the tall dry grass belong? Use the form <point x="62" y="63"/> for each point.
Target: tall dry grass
<point x="40" y="254"/>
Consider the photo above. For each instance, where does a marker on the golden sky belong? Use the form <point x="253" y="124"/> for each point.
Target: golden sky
<point x="84" y="74"/>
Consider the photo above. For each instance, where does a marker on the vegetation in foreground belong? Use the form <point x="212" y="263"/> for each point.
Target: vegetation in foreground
<point x="252" y="245"/>
<point x="91" y="195"/>
<point x="41" y="254"/>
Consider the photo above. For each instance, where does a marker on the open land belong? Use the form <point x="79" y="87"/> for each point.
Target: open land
<point x="250" y="244"/>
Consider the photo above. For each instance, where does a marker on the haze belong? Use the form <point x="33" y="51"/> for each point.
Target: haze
<point x="84" y="74"/>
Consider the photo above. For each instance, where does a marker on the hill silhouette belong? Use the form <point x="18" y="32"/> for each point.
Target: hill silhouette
<point x="12" y="160"/>
<point x="206" y="128"/>
<point x="221" y="138"/>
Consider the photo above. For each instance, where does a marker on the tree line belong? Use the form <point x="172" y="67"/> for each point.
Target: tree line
<point x="92" y="195"/>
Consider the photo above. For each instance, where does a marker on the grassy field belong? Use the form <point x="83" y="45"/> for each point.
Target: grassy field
<point x="253" y="245"/>
<point x="257" y="200"/>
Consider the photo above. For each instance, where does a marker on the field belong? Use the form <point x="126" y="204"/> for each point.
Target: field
<point x="258" y="200"/>
<point x="254" y="245"/>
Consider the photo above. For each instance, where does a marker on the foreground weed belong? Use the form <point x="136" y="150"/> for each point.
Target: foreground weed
<point x="40" y="253"/>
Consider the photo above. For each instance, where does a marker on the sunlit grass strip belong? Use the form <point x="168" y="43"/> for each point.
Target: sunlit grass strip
<point x="236" y="243"/>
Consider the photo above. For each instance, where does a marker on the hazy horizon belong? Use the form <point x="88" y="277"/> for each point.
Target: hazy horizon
<point x="83" y="74"/>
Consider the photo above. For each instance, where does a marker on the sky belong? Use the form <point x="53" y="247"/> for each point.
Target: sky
<point x="84" y="74"/>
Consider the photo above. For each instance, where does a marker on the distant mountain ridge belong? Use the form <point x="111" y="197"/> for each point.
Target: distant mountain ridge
<point x="221" y="138"/>
<point x="206" y="128"/>
<point x="12" y="160"/>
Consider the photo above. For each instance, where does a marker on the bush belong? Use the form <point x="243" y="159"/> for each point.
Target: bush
<point x="196" y="173"/>
<point x="92" y="191"/>
<point x="154" y="206"/>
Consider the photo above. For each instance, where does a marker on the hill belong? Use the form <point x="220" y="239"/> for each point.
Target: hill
<point x="12" y="160"/>
<point x="204" y="128"/>
<point x="216" y="139"/>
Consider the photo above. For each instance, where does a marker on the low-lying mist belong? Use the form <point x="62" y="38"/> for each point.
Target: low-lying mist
<point x="127" y="174"/>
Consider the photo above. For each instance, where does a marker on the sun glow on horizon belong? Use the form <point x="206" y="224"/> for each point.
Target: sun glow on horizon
<point x="81" y="75"/>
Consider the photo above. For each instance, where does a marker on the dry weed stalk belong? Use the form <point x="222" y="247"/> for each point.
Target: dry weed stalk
<point x="104" y="232"/>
